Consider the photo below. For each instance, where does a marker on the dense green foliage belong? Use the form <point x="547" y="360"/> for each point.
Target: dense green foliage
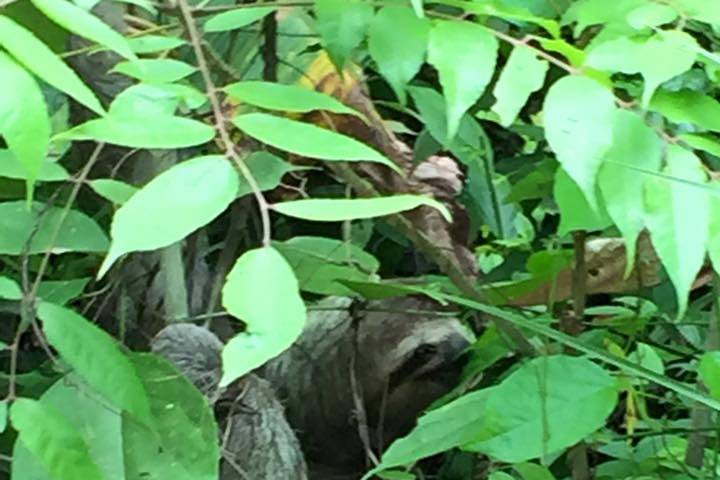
<point x="572" y="121"/>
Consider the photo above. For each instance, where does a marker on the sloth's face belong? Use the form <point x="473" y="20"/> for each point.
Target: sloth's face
<point x="422" y="361"/>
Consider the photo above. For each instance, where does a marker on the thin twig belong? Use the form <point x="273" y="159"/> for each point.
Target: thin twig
<point x="220" y="120"/>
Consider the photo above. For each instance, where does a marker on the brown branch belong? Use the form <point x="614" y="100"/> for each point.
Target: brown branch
<point x="445" y="262"/>
<point x="269" y="48"/>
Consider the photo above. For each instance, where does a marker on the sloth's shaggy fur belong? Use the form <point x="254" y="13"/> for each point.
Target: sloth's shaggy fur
<point x="356" y="379"/>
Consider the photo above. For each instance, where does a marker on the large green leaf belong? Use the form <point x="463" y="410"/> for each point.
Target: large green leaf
<point x="342" y="25"/>
<point x="532" y="324"/>
<point x="96" y="357"/>
<point x="78" y="233"/>
<point x="454" y="424"/>
<point x="268" y="171"/>
<point x="289" y="98"/>
<point x="24" y="121"/>
<point x="171" y="206"/>
<point x="575" y="212"/>
<point x="234" y="19"/>
<point x="677" y="50"/>
<point x="336" y="210"/>
<point x="320" y="264"/>
<point x="11" y="167"/>
<point x="75" y="19"/>
<point x="99" y="426"/>
<point x="677" y="216"/>
<point x="547" y="405"/>
<point x="137" y="131"/>
<point x="634" y="145"/>
<point x="184" y="442"/>
<point x="307" y="140"/>
<point x="39" y="59"/>
<point x="54" y="441"/>
<point x="688" y="106"/>
<point x="522" y="75"/>
<point x="155" y="70"/>
<point x="578" y="122"/>
<point x="262" y="291"/>
<point x="464" y="55"/>
<point x="397" y="42"/>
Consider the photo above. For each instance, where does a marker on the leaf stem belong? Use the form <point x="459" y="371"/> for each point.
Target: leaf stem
<point x="220" y="119"/>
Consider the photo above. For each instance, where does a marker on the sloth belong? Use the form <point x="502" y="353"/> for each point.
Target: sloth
<point x="356" y="379"/>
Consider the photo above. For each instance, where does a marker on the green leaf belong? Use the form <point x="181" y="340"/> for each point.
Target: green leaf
<point x="60" y="292"/>
<point x="705" y="143"/>
<point x="9" y="289"/>
<point x="171" y="206"/>
<point x="307" y="140"/>
<point x="677" y="217"/>
<point x="713" y="246"/>
<point x="10" y="167"/>
<point x="634" y="145"/>
<point x="54" y="441"/>
<point x="464" y="55"/>
<point x="99" y="426"/>
<point x="154" y="43"/>
<point x="234" y="19"/>
<point x="268" y="171"/>
<point x="709" y="371"/>
<point x="594" y="12"/>
<point x="677" y="49"/>
<point x="322" y="264"/>
<point x="397" y="41"/>
<point x="259" y="278"/>
<point x="522" y="75"/>
<point x="601" y="353"/>
<point x="155" y="70"/>
<point x="24" y="121"/>
<point x="646" y="356"/>
<point x="578" y="122"/>
<point x="289" y="98"/>
<point x="500" y="476"/>
<point x="700" y="10"/>
<point x="183" y="444"/>
<point x="342" y="25"/>
<point x="688" y="106"/>
<point x="78" y="233"/>
<point x="575" y="212"/>
<point x="155" y="99"/>
<point x="449" y="426"/>
<point x="114" y="190"/>
<point x="548" y="404"/>
<point x="157" y="131"/>
<point x="337" y="210"/>
<point x="96" y="357"/>
<point x="84" y="24"/>
<point x="533" y="471"/>
<point x="651" y="15"/>
<point x="39" y="59"/>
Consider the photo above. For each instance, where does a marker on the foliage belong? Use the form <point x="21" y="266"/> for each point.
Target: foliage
<point x="297" y="147"/>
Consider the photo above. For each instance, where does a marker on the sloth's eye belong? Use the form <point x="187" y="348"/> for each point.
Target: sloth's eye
<point x="426" y="350"/>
